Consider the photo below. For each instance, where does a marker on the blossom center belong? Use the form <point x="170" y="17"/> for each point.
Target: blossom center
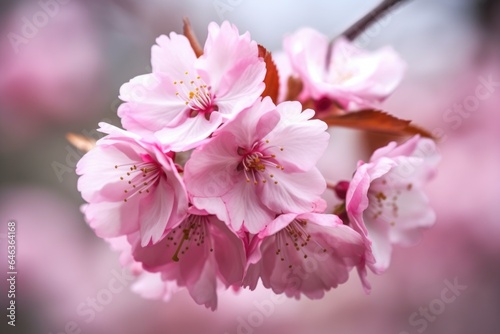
<point x="384" y="205"/>
<point x="196" y="94"/>
<point x="139" y="177"/>
<point x="295" y="238"/>
<point x="338" y="75"/>
<point x="191" y="230"/>
<point x="341" y="70"/>
<point x="257" y="163"/>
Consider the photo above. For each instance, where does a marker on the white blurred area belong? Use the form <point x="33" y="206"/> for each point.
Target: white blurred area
<point x="66" y="79"/>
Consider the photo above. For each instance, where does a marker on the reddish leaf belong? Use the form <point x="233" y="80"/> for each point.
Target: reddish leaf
<point x="294" y="88"/>
<point x="189" y="33"/>
<point x="271" y="79"/>
<point x="82" y="143"/>
<point x="375" y="120"/>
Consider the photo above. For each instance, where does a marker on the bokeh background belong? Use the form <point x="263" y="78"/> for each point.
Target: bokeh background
<point x="64" y="77"/>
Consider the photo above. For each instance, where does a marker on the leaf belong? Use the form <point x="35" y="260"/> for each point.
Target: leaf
<point x="82" y="143"/>
<point x="377" y="121"/>
<point x="294" y="88"/>
<point x="271" y="79"/>
<point x="190" y="35"/>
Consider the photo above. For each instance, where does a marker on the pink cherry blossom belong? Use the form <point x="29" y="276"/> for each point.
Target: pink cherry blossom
<point x="186" y="98"/>
<point x="341" y="72"/>
<point x="385" y="201"/>
<point x="304" y="253"/>
<point x="148" y="285"/>
<point x="260" y="165"/>
<point x="152" y="286"/>
<point x="197" y="254"/>
<point x="122" y="246"/>
<point x="130" y="186"/>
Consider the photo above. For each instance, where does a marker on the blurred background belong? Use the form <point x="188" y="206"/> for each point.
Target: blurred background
<point x="61" y="66"/>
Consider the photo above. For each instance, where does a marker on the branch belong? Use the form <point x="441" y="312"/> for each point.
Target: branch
<point x="189" y="33"/>
<point x="357" y="28"/>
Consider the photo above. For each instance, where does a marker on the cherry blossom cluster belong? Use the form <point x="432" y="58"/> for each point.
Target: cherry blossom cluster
<point x="211" y="185"/>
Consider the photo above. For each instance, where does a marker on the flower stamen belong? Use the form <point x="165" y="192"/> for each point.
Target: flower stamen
<point x="255" y="162"/>
<point x="196" y="95"/>
<point x="140" y="177"/>
<point x="193" y="229"/>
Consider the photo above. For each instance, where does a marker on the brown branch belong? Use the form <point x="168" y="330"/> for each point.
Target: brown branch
<point x="189" y="33"/>
<point x="82" y="143"/>
<point x="357" y="28"/>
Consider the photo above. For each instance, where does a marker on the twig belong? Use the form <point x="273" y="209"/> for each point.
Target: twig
<point x="357" y="28"/>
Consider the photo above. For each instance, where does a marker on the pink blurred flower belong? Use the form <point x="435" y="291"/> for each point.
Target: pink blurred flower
<point x="186" y="98"/>
<point x="196" y="254"/>
<point x="304" y="253"/>
<point x="130" y="186"/>
<point x="385" y="201"/>
<point x="260" y="165"/>
<point x="52" y="74"/>
<point x="152" y="286"/>
<point x="147" y="285"/>
<point x="341" y="72"/>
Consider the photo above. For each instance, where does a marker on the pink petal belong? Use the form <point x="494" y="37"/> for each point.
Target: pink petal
<point x="393" y="150"/>
<point x="212" y="205"/>
<point x="254" y="123"/>
<point x="377" y="73"/>
<point x="97" y="169"/>
<point x="414" y="214"/>
<point x="210" y="171"/>
<point x="151" y="286"/>
<point x="229" y="254"/>
<point x="190" y="133"/>
<point x="155" y="212"/>
<point x="224" y="50"/>
<point x="117" y="204"/>
<point x="381" y="247"/>
<point x="244" y="206"/>
<point x="303" y="141"/>
<point x="277" y="224"/>
<point x="294" y="192"/>
<point x="307" y="49"/>
<point x="172" y="56"/>
<point x="204" y="289"/>
<point x="151" y="104"/>
<point x="321" y="263"/>
<point x="240" y="88"/>
<point x="113" y="219"/>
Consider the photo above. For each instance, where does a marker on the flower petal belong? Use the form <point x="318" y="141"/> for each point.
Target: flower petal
<point x="225" y="50"/>
<point x="191" y="133"/>
<point x="113" y="219"/>
<point x="308" y="257"/>
<point x="229" y="253"/>
<point x="173" y="55"/>
<point x="244" y="207"/>
<point x="293" y="192"/>
<point x="210" y="171"/>
<point x="307" y="50"/>
<point x="254" y="123"/>
<point x="151" y="104"/>
<point x="155" y="212"/>
<point x="297" y="141"/>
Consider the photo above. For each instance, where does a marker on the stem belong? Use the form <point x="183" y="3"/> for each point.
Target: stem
<point x="330" y="185"/>
<point x="361" y="25"/>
